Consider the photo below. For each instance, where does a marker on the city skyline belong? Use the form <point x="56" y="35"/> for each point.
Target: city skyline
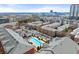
<point x="34" y="7"/>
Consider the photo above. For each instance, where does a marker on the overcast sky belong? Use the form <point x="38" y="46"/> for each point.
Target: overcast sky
<point x="34" y="7"/>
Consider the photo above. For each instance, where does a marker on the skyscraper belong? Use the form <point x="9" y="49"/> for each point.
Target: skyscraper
<point x="74" y="11"/>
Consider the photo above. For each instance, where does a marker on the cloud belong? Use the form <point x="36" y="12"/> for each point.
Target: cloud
<point x="47" y="9"/>
<point x="42" y="9"/>
<point x="7" y="10"/>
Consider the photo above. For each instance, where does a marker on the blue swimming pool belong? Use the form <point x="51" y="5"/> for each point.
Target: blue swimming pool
<point x="36" y="41"/>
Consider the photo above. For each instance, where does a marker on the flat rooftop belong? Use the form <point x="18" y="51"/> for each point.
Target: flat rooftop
<point x="11" y="45"/>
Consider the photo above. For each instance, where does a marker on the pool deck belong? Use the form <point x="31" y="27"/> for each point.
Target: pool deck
<point x="36" y="41"/>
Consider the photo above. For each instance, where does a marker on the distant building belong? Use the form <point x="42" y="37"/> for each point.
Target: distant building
<point x="62" y="30"/>
<point x="50" y="29"/>
<point x="74" y="11"/>
<point x="51" y="11"/>
<point x="34" y="25"/>
<point x="3" y="20"/>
